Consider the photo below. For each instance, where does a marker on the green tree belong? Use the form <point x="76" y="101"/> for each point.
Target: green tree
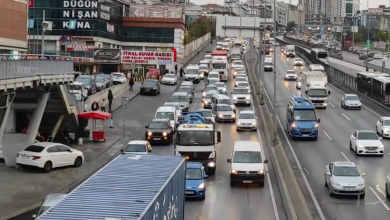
<point x="197" y="29"/>
<point x="381" y="35"/>
<point x="358" y="37"/>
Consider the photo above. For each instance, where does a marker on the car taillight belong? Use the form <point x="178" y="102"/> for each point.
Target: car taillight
<point x="36" y="157"/>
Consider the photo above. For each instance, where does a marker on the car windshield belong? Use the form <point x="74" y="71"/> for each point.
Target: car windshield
<point x="43" y="209"/>
<point x="243" y="84"/>
<point x="150" y="83"/>
<point x="224" y="108"/>
<point x="118" y="75"/>
<point x="104" y="76"/>
<point x="135" y="148"/>
<point x="219" y="66"/>
<point x="34" y="148"/>
<point x="191" y="138"/>
<point x="267" y="62"/>
<point x="193" y="174"/>
<point x="247" y="157"/>
<point x="191" y="71"/>
<point x="203" y="67"/>
<point x="237" y="63"/>
<point x="317" y="93"/>
<point x="241" y="91"/>
<point x="74" y="87"/>
<point x="246" y="116"/>
<point x="239" y="69"/>
<point x="304" y="115"/>
<point x="212" y="88"/>
<point x="99" y="80"/>
<point x="207" y="113"/>
<point x="209" y="95"/>
<point x="345" y="171"/>
<point x="367" y="136"/>
<point x="213" y="75"/>
<point x="185" y="89"/>
<point x="179" y="99"/>
<point x="219" y="85"/>
<point x="386" y="122"/>
<point x="213" y="81"/>
<point x="351" y="97"/>
<point x="290" y="72"/>
<point x="158" y="125"/>
<point x="298" y="59"/>
<point x="241" y="79"/>
<point x="169" y="76"/>
<point x="168" y="115"/>
<point x="84" y="80"/>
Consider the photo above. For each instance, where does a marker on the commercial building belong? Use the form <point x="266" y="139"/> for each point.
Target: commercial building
<point x="13" y="26"/>
<point x="297" y="14"/>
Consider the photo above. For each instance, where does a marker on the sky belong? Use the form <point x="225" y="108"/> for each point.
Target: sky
<point x="371" y="3"/>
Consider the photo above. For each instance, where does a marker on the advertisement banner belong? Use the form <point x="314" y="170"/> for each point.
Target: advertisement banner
<point x="107" y="56"/>
<point x="79" y="47"/>
<point x="31" y="3"/>
<point x="147" y="57"/>
<point x="156" y="11"/>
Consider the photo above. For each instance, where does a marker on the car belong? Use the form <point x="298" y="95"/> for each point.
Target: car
<point x="150" y="86"/>
<point x="366" y="142"/>
<point x="207" y="98"/>
<point x="383" y="127"/>
<point x="344" y="178"/>
<point x="240" y="79"/>
<point x="244" y="84"/>
<point x="49" y="155"/>
<point x="298" y="62"/>
<point x="237" y="70"/>
<point x="100" y="84"/>
<point x="351" y="101"/>
<point x="179" y="112"/>
<point x="241" y="95"/>
<point x="188" y="90"/>
<point x="378" y="56"/>
<point x="137" y="147"/>
<point x="387" y="187"/>
<point x="246" y="120"/>
<point x="363" y="56"/>
<point x="188" y="83"/>
<point x="159" y="130"/>
<point x="170" y="79"/>
<point x="237" y="63"/>
<point x="224" y="113"/>
<point x="89" y="83"/>
<point x="221" y="87"/>
<point x="208" y="114"/>
<point x="195" y="180"/>
<point x="191" y="73"/>
<point x="242" y="72"/>
<point x="204" y="70"/>
<point x="107" y="78"/>
<point x="119" y="78"/>
<point x="290" y="75"/>
<point x="50" y="201"/>
<point x="268" y="65"/>
<point x="213" y="75"/>
<point x="209" y="88"/>
<point x="211" y="81"/>
<point x="182" y="99"/>
<point x="242" y="75"/>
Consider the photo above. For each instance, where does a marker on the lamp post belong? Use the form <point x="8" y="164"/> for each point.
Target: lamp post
<point x="368" y="36"/>
<point x="388" y="35"/>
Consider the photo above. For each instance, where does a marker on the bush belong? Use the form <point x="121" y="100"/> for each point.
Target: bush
<point x="197" y="29"/>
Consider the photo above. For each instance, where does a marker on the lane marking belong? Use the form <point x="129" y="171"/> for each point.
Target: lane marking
<point x="294" y="95"/>
<point x="379" y="190"/>
<point x="306" y="171"/>
<point x="379" y="198"/>
<point x="288" y="88"/>
<point x="345" y="156"/>
<point x="331" y="104"/>
<point x="345" y="116"/>
<point x="327" y="135"/>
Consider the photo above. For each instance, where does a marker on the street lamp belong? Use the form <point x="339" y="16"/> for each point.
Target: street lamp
<point x="368" y="36"/>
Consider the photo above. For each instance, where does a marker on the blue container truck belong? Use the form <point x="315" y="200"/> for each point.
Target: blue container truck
<point x="130" y="187"/>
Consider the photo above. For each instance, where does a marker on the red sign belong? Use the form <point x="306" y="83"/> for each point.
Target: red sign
<point x="31" y="3"/>
<point x="82" y="60"/>
<point x="79" y="47"/>
<point x="145" y="57"/>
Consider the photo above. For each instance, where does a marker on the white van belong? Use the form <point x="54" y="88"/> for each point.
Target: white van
<point x="79" y="90"/>
<point x="168" y="112"/>
<point x="247" y="163"/>
<point x="191" y="73"/>
<point x="222" y="99"/>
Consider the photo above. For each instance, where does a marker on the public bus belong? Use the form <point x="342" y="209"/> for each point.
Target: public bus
<point x="381" y="89"/>
<point x="319" y="53"/>
<point x="364" y="82"/>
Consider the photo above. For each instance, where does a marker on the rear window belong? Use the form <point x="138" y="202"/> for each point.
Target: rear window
<point x="34" y="148"/>
<point x="118" y="75"/>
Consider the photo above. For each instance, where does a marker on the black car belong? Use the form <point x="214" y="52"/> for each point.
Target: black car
<point x="159" y="130"/>
<point x="150" y="86"/>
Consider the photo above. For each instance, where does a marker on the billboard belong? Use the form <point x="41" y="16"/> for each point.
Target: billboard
<point x="107" y="56"/>
<point x="147" y="57"/>
<point x="377" y="20"/>
<point x="145" y="11"/>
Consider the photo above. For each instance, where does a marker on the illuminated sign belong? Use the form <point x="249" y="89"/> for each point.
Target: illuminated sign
<point x="147" y="57"/>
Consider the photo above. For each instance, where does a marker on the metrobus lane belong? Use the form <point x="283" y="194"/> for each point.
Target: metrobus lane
<point x="246" y="202"/>
<point x="332" y="145"/>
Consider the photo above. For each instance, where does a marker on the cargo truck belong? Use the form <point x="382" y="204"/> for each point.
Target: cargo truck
<point x="290" y="50"/>
<point x="315" y="86"/>
<point x="132" y="186"/>
<point x="235" y="54"/>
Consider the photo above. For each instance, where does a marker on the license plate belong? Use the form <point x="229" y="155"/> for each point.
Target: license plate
<point x="349" y="189"/>
<point x="305" y="135"/>
<point x="157" y="139"/>
<point x="247" y="181"/>
<point x="146" y="90"/>
<point x="371" y="151"/>
<point x="189" y="192"/>
<point x="25" y="157"/>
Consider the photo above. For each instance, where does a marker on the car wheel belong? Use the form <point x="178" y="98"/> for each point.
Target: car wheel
<point x="387" y="192"/>
<point x="48" y="167"/>
<point x="326" y="184"/>
<point x="363" y="195"/>
<point x="261" y="184"/>
<point x="78" y="162"/>
<point x="330" y="192"/>
<point x="237" y="129"/>
<point x="341" y="105"/>
<point x="382" y="134"/>
<point x="350" y="146"/>
<point x="231" y="183"/>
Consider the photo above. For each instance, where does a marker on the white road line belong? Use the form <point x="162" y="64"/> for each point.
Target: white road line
<point x="327" y="135"/>
<point x="345" y="116"/>
<point x="379" y="190"/>
<point x="288" y="88"/>
<point x="331" y="104"/>
<point x="345" y="157"/>
<point x="294" y="95"/>
<point x="379" y="198"/>
<point x="306" y="171"/>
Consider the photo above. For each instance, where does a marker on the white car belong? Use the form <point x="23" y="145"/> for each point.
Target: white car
<point x="170" y="79"/>
<point x="237" y="70"/>
<point x="221" y="87"/>
<point x="241" y="96"/>
<point x="119" y="78"/>
<point x="208" y="114"/>
<point x="365" y="142"/>
<point x="137" y="147"/>
<point x="240" y="79"/>
<point x="344" y="178"/>
<point x="242" y="75"/>
<point x="246" y="120"/>
<point x="383" y="127"/>
<point x="298" y="62"/>
<point x="213" y="75"/>
<point x="237" y="63"/>
<point x="290" y="75"/>
<point x="378" y="56"/>
<point x="179" y="111"/>
<point x="244" y="85"/>
<point x="49" y="155"/>
<point x="387" y="186"/>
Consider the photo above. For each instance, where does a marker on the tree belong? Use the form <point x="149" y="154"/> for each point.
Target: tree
<point x="291" y="25"/>
<point x="197" y="29"/>
<point x="358" y="37"/>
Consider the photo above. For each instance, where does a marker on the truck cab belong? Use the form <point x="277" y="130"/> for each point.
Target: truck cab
<point x="196" y="138"/>
<point x="220" y="64"/>
<point x="315" y="86"/>
<point x="301" y="119"/>
<point x="290" y="50"/>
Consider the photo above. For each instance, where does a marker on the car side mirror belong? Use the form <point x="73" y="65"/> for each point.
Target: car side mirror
<point x="205" y="176"/>
<point x="363" y="174"/>
<point x="122" y="150"/>
<point x="319" y="120"/>
<point x="70" y="150"/>
<point x="229" y="160"/>
<point x="34" y="216"/>
<point x="328" y="92"/>
<point x="305" y="92"/>
<point x="265" y="161"/>
<point x="328" y="173"/>
<point x="146" y="127"/>
<point x="218" y="137"/>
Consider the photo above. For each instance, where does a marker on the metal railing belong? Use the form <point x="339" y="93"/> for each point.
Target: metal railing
<point x="28" y="65"/>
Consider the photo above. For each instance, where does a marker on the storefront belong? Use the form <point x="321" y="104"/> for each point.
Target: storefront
<point x="106" y="60"/>
<point x="140" y="63"/>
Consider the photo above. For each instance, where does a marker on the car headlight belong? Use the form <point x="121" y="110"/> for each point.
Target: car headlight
<point x="387" y="130"/>
<point x="360" y="146"/>
<point x="335" y="184"/>
<point x="247" y="98"/>
<point x="361" y="184"/>
<point x="261" y="171"/>
<point x="293" y="125"/>
<point x="154" y="87"/>
<point x="201" y="186"/>
<point x="381" y="147"/>
<point x="204" y="94"/>
<point x="234" y="97"/>
<point x="316" y="125"/>
<point x="165" y="134"/>
<point x="150" y="133"/>
<point x="234" y="172"/>
<point x="211" y="164"/>
<point x="238" y="123"/>
<point x="254" y="123"/>
<point x="220" y="115"/>
<point x="233" y="115"/>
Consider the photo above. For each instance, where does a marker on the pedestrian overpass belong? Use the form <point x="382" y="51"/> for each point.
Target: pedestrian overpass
<point x="33" y="87"/>
<point x="230" y="26"/>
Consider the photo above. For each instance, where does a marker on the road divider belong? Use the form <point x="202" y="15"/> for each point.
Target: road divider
<point x="116" y="90"/>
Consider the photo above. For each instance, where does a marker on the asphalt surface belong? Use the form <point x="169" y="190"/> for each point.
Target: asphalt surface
<point x="336" y="127"/>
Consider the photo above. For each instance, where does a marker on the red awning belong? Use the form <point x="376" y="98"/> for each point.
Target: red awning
<point x="95" y="115"/>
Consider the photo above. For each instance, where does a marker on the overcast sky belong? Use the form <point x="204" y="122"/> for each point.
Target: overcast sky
<point x="371" y="4"/>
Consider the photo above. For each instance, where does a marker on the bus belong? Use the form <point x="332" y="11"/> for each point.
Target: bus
<point x="381" y="89"/>
<point x="364" y="82"/>
<point x="319" y="53"/>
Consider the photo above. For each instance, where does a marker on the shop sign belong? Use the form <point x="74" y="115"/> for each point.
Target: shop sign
<point x="79" y="47"/>
<point x="79" y="10"/>
<point x="31" y="3"/>
<point x="107" y="56"/>
<point x="110" y="28"/>
<point x="82" y="59"/>
<point x="147" y="57"/>
<point x="156" y="11"/>
<point x="81" y="38"/>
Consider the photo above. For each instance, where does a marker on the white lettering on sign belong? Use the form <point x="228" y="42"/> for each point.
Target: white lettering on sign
<point x="79" y="25"/>
<point x="105" y="8"/>
<point x="82" y="59"/>
<point x="171" y="211"/>
<point x="76" y="47"/>
<point x="146" y="57"/>
<point x="78" y="10"/>
<point x="104" y="16"/>
<point x="80" y="14"/>
<point x="80" y="4"/>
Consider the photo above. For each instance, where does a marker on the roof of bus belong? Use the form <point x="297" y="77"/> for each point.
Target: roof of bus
<point x="370" y="74"/>
<point x="219" y="53"/>
<point x="384" y="79"/>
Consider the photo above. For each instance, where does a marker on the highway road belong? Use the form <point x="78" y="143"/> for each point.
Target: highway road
<point x="336" y="127"/>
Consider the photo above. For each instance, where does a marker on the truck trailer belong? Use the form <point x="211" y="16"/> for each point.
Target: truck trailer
<point x="132" y="186"/>
<point x="315" y="85"/>
<point x="290" y="50"/>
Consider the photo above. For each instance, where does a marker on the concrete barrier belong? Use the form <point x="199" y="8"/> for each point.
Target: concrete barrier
<point x="117" y="91"/>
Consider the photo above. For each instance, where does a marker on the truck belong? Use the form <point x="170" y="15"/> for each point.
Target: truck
<point x="290" y="50"/>
<point x="235" y="54"/>
<point x="196" y="138"/>
<point x="219" y="63"/>
<point x="315" y="85"/>
<point x="132" y="186"/>
<point x="302" y="121"/>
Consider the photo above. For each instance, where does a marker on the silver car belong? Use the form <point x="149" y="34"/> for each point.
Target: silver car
<point x="208" y="114"/>
<point x="344" y="178"/>
<point x="351" y="101"/>
<point x="100" y="84"/>
<point x="224" y="113"/>
<point x="209" y="88"/>
<point x="188" y="90"/>
<point x="221" y="87"/>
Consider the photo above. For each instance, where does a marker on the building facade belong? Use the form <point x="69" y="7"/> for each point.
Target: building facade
<point x="297" y="14"/>
<point x="13" y="26"/>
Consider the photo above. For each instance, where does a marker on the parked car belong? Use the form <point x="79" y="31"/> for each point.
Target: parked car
<point x="100" y="84"/>
<point x="89" y="83"/>
<point x="119" y="78"/>
<point x="107" y="78"/>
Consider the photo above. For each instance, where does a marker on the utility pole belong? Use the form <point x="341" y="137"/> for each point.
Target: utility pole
<point x="43" y="33"/>
<point x="261" y="72"/>
<point x="368" y="36"/>
<point x="275" y="140"/>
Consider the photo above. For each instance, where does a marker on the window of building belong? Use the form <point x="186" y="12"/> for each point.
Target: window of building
<point x="158" y="35"/>
<point x="349" y="8"/>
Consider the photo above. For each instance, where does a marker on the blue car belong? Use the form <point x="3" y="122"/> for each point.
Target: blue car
<point x="195" y="181"/>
